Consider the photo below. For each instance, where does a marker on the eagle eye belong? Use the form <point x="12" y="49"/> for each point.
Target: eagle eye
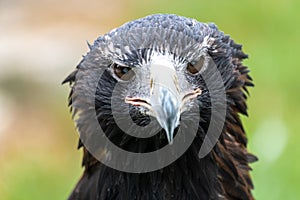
<point x="123" y="72"/>
<point x="196" y="68"/>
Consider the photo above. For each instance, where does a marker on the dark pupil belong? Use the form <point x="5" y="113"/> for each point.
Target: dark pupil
<point x="124" y="70"/>
<point x="124" y="73"/>
<point x="192" y="69"/>
<point x="195" y="68"/>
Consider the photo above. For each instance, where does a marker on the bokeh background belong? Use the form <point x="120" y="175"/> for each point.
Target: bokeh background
<point x="42" y="41"/>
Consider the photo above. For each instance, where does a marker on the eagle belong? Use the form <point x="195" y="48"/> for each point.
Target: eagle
<point x="157" y="104"/>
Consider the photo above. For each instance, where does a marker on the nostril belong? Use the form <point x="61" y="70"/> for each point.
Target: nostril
<point x="138" y="102"/>
<point x="192" y="95"/>
<point x="189" y="96"/>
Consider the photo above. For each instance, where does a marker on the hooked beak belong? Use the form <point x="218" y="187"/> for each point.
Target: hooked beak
<point x="166" y="102"/>
<point x="166" y="109"/>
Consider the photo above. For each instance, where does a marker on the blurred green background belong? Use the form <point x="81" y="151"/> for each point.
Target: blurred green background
<point x="42" y="41"/>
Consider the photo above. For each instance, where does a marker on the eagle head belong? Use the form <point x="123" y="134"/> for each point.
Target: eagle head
<point x="165" y="82"/>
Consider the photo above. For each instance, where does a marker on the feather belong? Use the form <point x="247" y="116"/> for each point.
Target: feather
<point x="223" y="173"/>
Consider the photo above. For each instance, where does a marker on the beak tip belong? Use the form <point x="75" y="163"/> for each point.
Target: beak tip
<point x="170" y="141"/>
<point x="166" y="107"/>
<point x="169" y="136"/>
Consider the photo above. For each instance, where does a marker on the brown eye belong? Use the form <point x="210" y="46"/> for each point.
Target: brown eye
<point x="194" y="69"/>
<point x="123" y="72"/>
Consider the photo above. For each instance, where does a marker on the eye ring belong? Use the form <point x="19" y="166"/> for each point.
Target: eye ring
<point x="123" y="72"/>
<point x="194" y="69"/>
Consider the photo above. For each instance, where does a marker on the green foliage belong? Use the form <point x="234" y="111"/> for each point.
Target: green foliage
<point x="48" y="167"/>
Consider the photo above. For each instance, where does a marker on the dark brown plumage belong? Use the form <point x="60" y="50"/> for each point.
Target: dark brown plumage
<point x="224" y="172"/>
